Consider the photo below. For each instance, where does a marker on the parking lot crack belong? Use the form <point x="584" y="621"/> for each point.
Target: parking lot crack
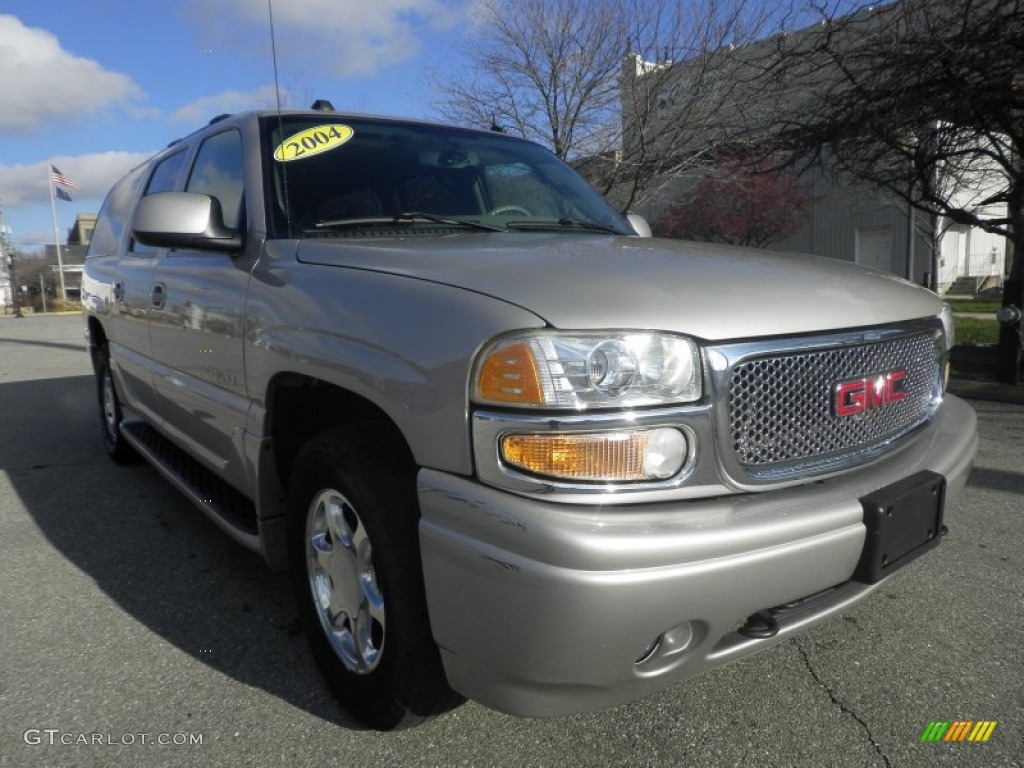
<point x="843" y="707"/>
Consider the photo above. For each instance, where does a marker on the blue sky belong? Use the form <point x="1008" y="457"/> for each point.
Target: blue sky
<point x="96" y="86"/>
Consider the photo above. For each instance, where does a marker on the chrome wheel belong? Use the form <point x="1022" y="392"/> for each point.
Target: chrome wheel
<point x="343" y="582"/>
<point x="110" y="412"/>
<point x="109" y="406"/>
<point x="353" y="537"/>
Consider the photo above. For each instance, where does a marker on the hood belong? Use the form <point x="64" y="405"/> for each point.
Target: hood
<point x="582" y="281"/>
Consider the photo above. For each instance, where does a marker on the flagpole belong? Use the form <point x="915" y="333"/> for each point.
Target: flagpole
<point x="56" y="231"/>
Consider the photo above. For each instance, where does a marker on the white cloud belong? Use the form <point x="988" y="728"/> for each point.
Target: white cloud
<point x="43" y="82"/>
<point x="22" y="185"/>
<point x="202" y="109"/>
<point x="342" y="38"/>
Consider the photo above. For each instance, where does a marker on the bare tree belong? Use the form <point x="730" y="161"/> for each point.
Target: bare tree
<point x="37" y="275"/>
<point x="594" y="81"/>
<point x="923" y="99"/>
<point x="738" y="204"/>
<point x="546" y="70"/>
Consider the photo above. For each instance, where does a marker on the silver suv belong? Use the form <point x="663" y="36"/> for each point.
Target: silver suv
<point x="508" y="448"/>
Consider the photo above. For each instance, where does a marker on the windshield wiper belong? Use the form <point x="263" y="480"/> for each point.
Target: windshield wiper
<point x="420" y="216"/>
<point x="592" y="226"/>
<point x="407" y="217"/>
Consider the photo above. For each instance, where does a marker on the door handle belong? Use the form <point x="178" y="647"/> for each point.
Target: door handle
<point x="118" y="291"/>
<point x="157" y="295"/>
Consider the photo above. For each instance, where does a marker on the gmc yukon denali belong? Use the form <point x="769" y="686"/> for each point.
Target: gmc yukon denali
<point x="508" y="446"/>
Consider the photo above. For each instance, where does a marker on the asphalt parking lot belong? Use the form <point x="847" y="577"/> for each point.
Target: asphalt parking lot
<point x="127" y="620"/>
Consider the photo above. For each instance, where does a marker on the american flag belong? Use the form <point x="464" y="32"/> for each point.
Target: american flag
<point x="60" y="178"/>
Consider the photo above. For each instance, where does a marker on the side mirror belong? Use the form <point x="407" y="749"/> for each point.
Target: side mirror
<point x="639" y="225"/>
<point x="184" y="220"/>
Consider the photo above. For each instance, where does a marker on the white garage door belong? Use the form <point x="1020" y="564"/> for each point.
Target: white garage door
<point x="874" y="247"/>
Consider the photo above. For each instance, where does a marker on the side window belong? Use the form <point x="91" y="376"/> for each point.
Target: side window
<point x="106" y="237"/>
<point x="164" y="179"/>
<point x="165" y="175"/>
<point x="217" y="172"/>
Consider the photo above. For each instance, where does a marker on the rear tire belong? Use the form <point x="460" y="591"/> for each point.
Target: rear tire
<point x="356" y="572"/>
<point x="110" y="413"/>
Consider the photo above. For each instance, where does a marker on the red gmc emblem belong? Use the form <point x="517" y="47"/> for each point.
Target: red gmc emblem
<point x="866" y="394"/>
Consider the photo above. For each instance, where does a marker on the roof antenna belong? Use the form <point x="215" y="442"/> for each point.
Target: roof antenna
<point x="280" y="122"/>
<point x="494" y="124"/>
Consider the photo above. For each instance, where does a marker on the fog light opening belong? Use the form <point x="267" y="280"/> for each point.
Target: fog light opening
<point x="669" y="643"/>
<point x="665" y="453"/>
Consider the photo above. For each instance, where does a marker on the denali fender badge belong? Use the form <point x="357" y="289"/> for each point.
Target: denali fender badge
<point x="857" y="395"/>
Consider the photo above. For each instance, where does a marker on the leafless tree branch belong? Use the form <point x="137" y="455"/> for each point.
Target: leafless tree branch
<point x="575" y="76"/>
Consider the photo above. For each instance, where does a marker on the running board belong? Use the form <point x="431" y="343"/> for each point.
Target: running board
<point x="229" y="509"/>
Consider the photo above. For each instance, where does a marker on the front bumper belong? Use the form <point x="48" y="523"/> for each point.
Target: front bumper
<point x="545" y="609"/>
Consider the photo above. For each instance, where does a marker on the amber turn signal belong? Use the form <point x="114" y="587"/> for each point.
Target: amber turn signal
<point x="619" y="456"/>
<point x="509" y="375"/>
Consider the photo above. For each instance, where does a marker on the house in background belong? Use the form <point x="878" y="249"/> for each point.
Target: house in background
<point x="72" y="254"/>
<point x="852" y="222"/>
<point x="969" y="258"/>
<point x="81" y="232"/>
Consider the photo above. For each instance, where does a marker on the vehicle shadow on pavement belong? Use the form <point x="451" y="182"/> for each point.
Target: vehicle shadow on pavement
<point x="997" y="480"/>
<point x="148" y="549"/>
<point x="37" y="343"/>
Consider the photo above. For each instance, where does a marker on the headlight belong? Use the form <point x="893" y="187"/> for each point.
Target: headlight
<point x="946" y="316"/>
<point x="552" y="369"/>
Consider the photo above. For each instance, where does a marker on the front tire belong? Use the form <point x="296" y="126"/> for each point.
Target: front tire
<point x="356" y="573"/>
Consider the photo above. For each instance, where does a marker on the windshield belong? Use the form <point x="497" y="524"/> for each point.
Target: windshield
<point x="331" y="175"/>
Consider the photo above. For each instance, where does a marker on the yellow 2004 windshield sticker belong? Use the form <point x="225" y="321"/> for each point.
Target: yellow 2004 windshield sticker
<point x="312" y="141"/>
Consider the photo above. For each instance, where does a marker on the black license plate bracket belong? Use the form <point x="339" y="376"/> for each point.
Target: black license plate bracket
<point x="903" y="521"/>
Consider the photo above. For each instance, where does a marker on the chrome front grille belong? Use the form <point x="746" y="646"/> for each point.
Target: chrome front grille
<point x="780" y="409"/>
